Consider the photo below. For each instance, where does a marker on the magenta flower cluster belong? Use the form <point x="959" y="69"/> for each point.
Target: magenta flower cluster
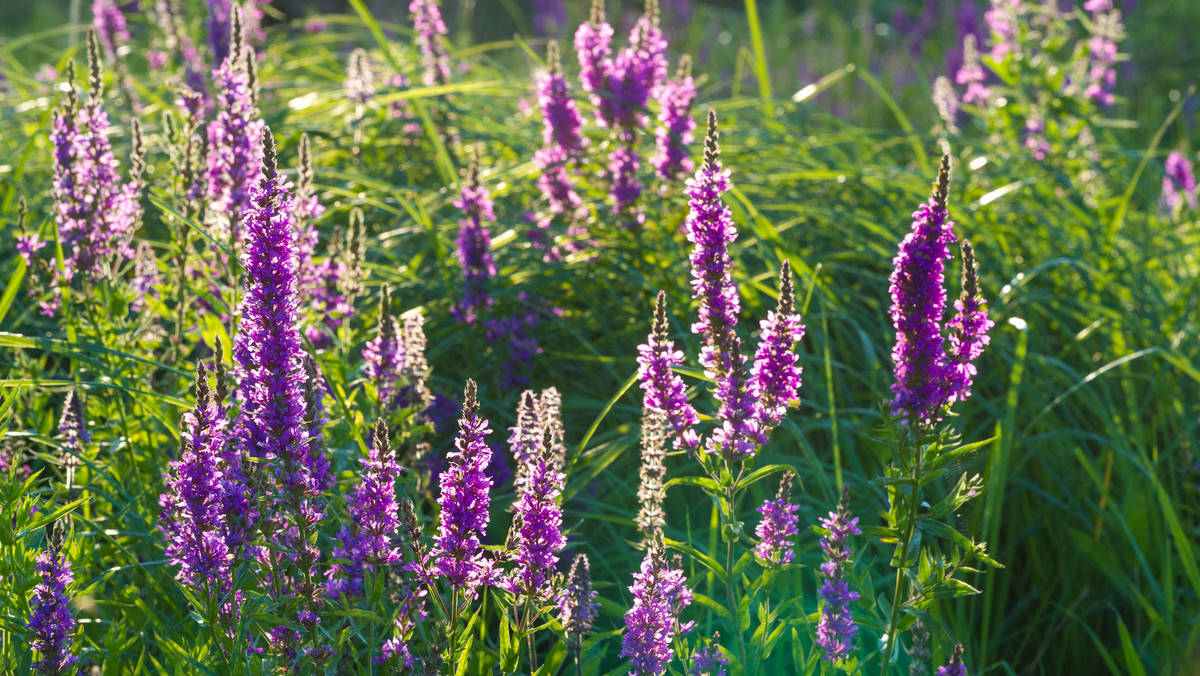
<point x="429" y="31"/>
<point x="663" y="390"/>
<point x="474" y="247"/>
<point x="836" y="629"/>
<point x="660" y="593"/>
<point x="234" y="145"/>
<point x="778" y="526"/>
<point x="51" y="624"/>
<point x="1179" y="182"/>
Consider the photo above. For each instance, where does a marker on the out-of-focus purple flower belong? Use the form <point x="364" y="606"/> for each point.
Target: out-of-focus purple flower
<point x="967" y="21"/>
<point x="549" y="16"/>
<point x="194" y="520"/>
<point x="593" y="45"/>
<point x="923" y="377"/>
<point x="775" y="377"/>
<point x="537" y="522"/>
<point x="709" y="660"/>
<point x="316" y="24"/>
<point x="1003" y="22"/>
<point x="711" y="230"/>
<point x="517" y="332"/>
<point x="72" y="424"/>
<point x="674" y="133"/>
<point x="374" y="519"/>
<point x="1178" y="185"/>
<point x="273" y="422"/>
<point x="234" y="143"/>
<point x="968" y="330"/>
<point x="429" y="31"/>
<point x="555" y="180"/>
<point x="779" y="523"/>
<point x="577" y="607"/>
<point x="474" y="247"/>
<point x="402" y="110"/>
<point x="956" y="666"/>
<point x="660" y="593"/>
<point x="631" y="77"/>
<point x="1102" y="52"/>
<point x="51" y="623"/>
<point x="623" y="166"/>
<point x="410" y="614"/>
<point x="109" y="22"/>
<point x="28" y="246"/>
<point x="156" y="59"/>
<point x="1035" y="136"/>
<point x="223" y="24"/>
<point x="836" y="629"/>
<point x="971" y="74"/>
<point x="464" y="499"/>
<point x="359" y="84"/>
<point x="561" y="121"/>
<point x="663" y="391"/>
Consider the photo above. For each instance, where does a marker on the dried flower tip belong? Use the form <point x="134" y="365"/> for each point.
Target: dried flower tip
<point x="942" y="188"/>
<point x="685" y="68"/>
<point x="553" y="60"/>
<point x="55" y="535"/>
<point x="787" y="294"/>
<point x="270" y="161"/>
<point x="304" y="175"/>
<point x="137" y="160"/>
<point x="660" y="315"/>
<point x="203" y="393"/>
<point x="470" y="399"/>
<point x="252" y="77"/>
<point x="95" y="82"/>
<point x="598" y="14"/>
<point x="652" y="13"/>
<point x="712" y="151"/>
<point x="970" y="273"/>
<point x="237" y="35"/>
<point x="22" y="212"/>
<point x="222" y="389"/>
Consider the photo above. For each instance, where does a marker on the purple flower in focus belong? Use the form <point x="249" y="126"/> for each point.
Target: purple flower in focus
<point x="429" y="31"/>
<point x="836" y="628"/>
<point x="537" y="521"/>
<point x="709" y="660"/>
<point x="1179" y="183"/>
<point x="660" y="593"/>
<point x="458" y="555"/>
<point x="51" y="623"/>
<point x="923" y="377"/>
<point x="968" y="329"/>
<point x="955" y="667"/>
<point x="779" y="523"/>
<point x="674" y="133"/>
<point x="663" y="391"/>
<point x="775" y="377"/>
<point x="474" y="247"/>
<point x="374" y="518"/>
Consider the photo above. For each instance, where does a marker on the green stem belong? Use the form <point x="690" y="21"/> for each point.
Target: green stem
<point x="909" y="529"/>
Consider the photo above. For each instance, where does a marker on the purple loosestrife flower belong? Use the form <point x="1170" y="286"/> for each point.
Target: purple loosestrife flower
<point x="465" y="487"/>
<point x="234" y="140"/>
<point x="955" y="667"/>
<point x="593" y="45"/>
<point x="109" y="23"/>
<point x="537" y="518"/>
<point x="923" y="377"/>
<point x="306" y="209"/>
<point x="374" y="518"/>
<point x="474" y="247"/>
<point x="836" y="629"/>
<point x="1035" y="139"/>
<point x="72" y="424"/>
<point x="660" y="593"/>
<point x="968" y="329"/>
<point x="193" y="502"/>
<point x="778" y="525"/>
<point x="709" y="660"/>
<point x="561" y="121"/>
<point x="1003" y="22"/>
<point x="651" y="518"/>
<point x="663" y="391"/>
<point x="625" y="188"/>
<point x="51" y="624"/>
<point x="555" y="180"/>
<point x="634" y="75"/>
<point x="775" y="377"/>
<point x="220" y="15"/>
<point x="273" y="425"/>
<point x="410" y="614"/>
<point x="382" y="355"/>
<point x="550" y="418"/>
<point x="1179" y="183"/>
<point x="429" y="29"/>
<point x="711" y="230"/>
<point x="1102" y="52"/>
<point x="674" y="133"/>
<point x="971" y="73"/>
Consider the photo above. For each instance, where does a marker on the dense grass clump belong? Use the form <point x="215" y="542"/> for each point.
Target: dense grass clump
<point x="358" y="343"/>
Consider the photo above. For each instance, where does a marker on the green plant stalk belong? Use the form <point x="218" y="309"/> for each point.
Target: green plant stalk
<point x="910" y="527"/>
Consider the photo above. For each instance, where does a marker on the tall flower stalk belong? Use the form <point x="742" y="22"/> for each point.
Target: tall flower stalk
<point x="51" y="625"/>
<point x="660" y="593"/>
<point x="836" y="629"/>
<point x="474" y="247"/>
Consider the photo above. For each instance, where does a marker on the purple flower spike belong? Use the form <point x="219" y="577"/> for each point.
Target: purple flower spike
<point x="577" y="607"/>
<point x="561" y="121"/>
<point x="971" y="74"/>
<point x="660" y="593"/>
<point x="194" y="503"/>
<point x="51" y="624"/>
<point x="464" y="501"/>
<point x="663" y="391"/>
<point x="923" y="377"/>
<point x="778" y="525"/>
<point x="110" y="26"/>
<point x="429" y="30"/>
<point x="674" y="133"/>
<point x="623" y="166"/>
<point x="836" y="629"/>
<point x="525" y="439"/>
<point x="474" y="247"/>
<point x="274" y="424"/>
<point x="650" y="517"/>
<point x="537" y="520"/>
<point x="709" y="660"/>
<point x="374" y="518"/>
<point x="234" y="139"/>
<point x="775" y="377"/>
<point x="956" y="667"/>
<point x="968" y="329"/>
<point x="593" y="45"/>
